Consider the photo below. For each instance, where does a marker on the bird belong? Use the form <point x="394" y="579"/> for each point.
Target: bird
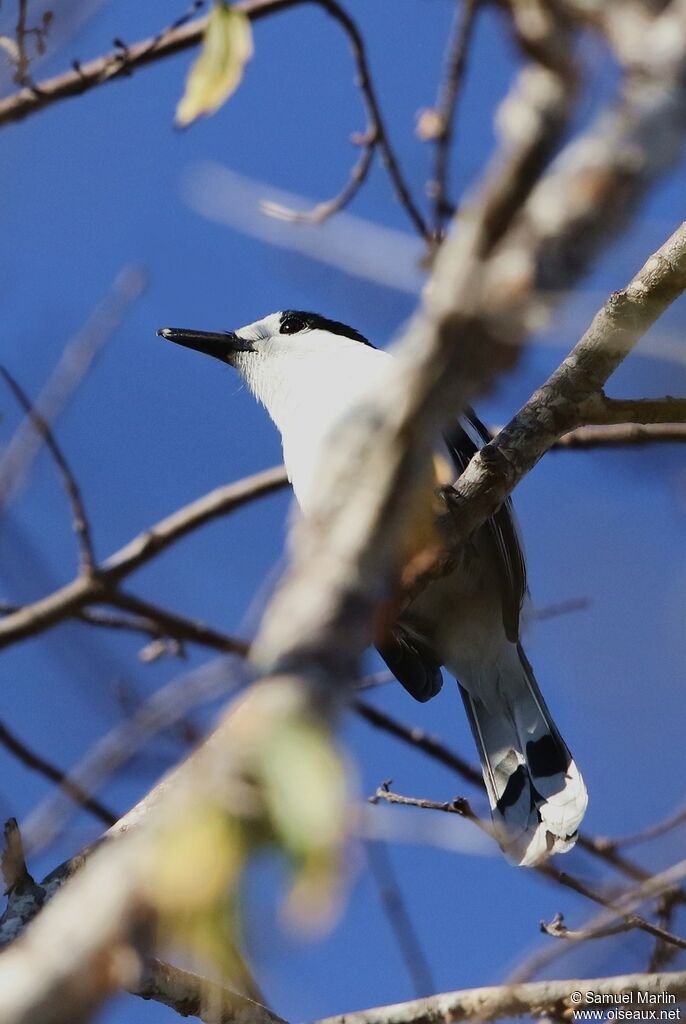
<point x="309" y="371"/>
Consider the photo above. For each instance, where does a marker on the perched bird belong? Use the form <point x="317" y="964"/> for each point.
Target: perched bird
<point x="309" y="371"/>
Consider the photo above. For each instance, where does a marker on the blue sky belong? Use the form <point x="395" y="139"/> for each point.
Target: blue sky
<point x="98" y="183"/>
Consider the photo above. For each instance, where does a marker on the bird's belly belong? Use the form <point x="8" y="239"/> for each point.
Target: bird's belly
<point x="460" y="615"/>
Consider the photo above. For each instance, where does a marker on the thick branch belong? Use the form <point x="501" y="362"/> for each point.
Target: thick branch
<point x="556" y="408"/>
<point x="543" y="998"/>
<point x="192" y="996"/>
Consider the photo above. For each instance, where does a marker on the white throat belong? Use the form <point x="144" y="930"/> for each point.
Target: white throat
<point x="307" y="389"/>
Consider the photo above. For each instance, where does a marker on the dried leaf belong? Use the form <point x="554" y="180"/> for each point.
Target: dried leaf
<point x="305" y="791"/>
<point x="217" y="73"/>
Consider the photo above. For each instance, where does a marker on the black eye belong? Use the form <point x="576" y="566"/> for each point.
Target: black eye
<point x="292" y="324"/>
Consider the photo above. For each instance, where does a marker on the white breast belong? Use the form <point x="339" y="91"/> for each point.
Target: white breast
<point x="308" y="389"/>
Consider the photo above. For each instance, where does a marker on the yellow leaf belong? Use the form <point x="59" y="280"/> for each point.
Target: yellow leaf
<point x="216" y="74"/>
<point x="305" y="792"/>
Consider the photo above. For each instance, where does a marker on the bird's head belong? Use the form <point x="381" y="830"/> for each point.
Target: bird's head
<point x="285" y="355"/>
<point x="288" y="334"/>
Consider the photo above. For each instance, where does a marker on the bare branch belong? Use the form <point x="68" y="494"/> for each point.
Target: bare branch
<point x="40" y="764"/>
<point x="557" y="929"/>
<point x="631" y="919"/>
<point x="123" y="61"/>
<point x="621" y="435"/>
<point x="438" y="125"/>
<point x="438" y="751"/>
<point x="520" y="237"/>
<point x="322" y="211"/>
<point x="78" y="510"/>
<point x="74" y="364"/>
<point x="534" y="999"/>
<point x="399" y="919"/>
<point x="461" y="807"/>
<point x="458" y="805"/>
<point x="176" y="626"/>
<point x="598" y="409"/>
<point x="193" y="996"/>
<point x="554" y="409"/>
<point x="24" y="896"/>
<point x="71" y="599"/>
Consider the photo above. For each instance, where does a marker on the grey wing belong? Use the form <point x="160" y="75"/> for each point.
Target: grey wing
<point x="412" y="663"/>
<point x="463" y="441"/>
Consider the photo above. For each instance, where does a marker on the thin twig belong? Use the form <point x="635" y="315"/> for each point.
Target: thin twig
<point x="123" y="62"/>
<point x="634" y="920"/>
<point x="554" y="611"/>
<point x="38" y="763"/>
<point x="73" y="366"/>
<point x="78" y="509"/>
<point x="440" y="752"/>
<point x="661" y="828"/>
<point x="442" y="118"/>
<point x="419" y="739"/>
<point x="399" y="919"/>
<point x="72" y="598"/>
<point x="176" y="626"/>
<point x="663" y="953"/>
<point x="377" y="127"/>
<point x="557" y="929"/>
<point x="322" y="211"/>
<point x="462" y="808"/>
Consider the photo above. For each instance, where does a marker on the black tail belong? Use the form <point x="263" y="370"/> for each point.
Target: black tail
<point x="535" y="790"/>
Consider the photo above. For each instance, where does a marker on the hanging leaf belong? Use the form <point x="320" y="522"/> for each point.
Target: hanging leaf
<point x="217" y="73"/>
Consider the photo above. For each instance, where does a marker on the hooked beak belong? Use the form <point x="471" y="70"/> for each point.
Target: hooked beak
<point x="220" y="344"/>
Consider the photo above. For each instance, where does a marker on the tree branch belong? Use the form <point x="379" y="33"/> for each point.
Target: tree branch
<point x="438" y="124"/>
<point x="598" y="409"/>
<point x="78" y="510"/>
<point x="621" y="435"/>
<point x="177" y="626"/>
<point x="322" y="211"/>
<point x="50" y="771"/>
<point x="461" y="807"/>
<point x="100" y="586"/>
<point x="122" y="62"/>
<point x="557" y="407"/>
<point x="542" y="998"/>
<point x="192" y="996"/>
